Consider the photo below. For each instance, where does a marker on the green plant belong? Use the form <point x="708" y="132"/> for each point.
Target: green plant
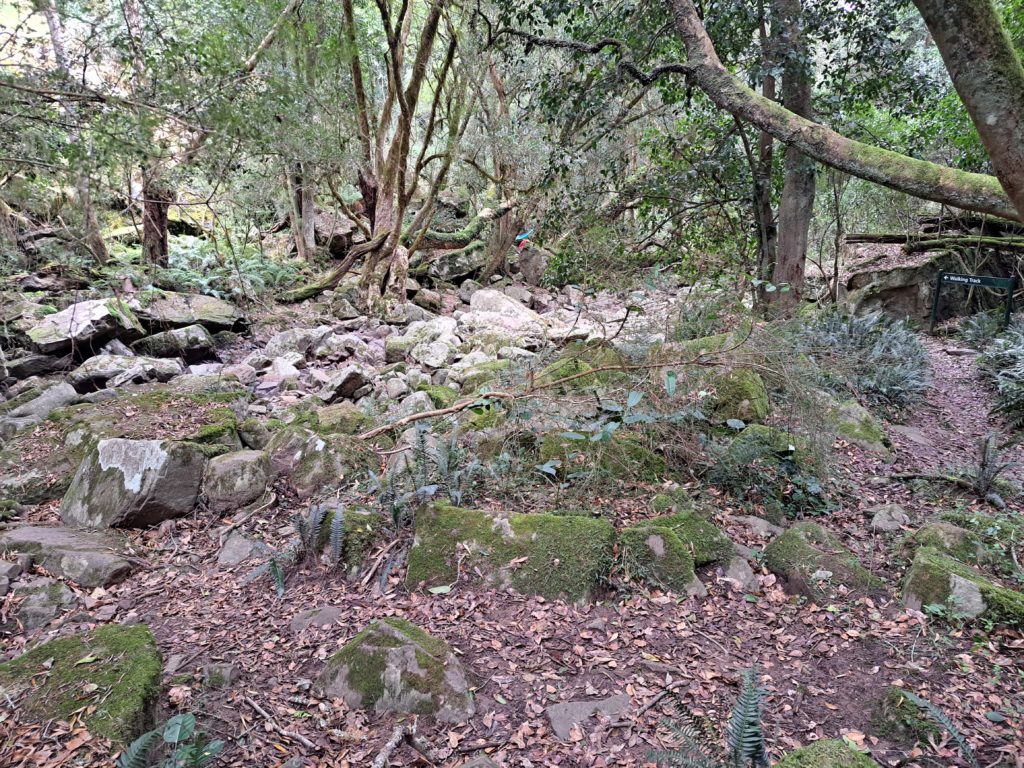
<point x="177" y="739"/>
<point x="308" y="528"/>
<point x="698" y="745"/>
<point x="881" y="360"/>
<point x="984" y="473"/>
<point x="943" y="721"/>
<point x="978" y="330"/>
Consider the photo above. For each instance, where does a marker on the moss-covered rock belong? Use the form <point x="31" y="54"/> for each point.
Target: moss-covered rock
<point x="935" y="579"/>
<point x="360" y="528"/>
<point x="111" y="676"/>
<point x="810" y="559"/>
<point x="483" y="373"/>
<point x="441" y="396"/>
<point x="704" y="542"/>
<point x="827" y="754"/>
<point x="566" y="367"/>
<point x="857" y="425"/>
<point x="897" y="718"/>
<point x="740" y="394"/>
<point x="394" y="666"/>
<point x="327" y="462"/>
<point x="655" y="555"/>
<point x="344" y="417"/>
<point x="624" y="456"/>
<point x="948" y="539"/>
<point x="758" y="437"/>
<point x="706" y="345"/>
<point x="538" y="554"/>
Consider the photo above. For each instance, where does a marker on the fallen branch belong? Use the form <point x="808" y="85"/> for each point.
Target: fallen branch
<point x="403" y="734"/>
<point x="332" y="278"/>
<point x="953" y="479"/>
<point x="280" y="731"/>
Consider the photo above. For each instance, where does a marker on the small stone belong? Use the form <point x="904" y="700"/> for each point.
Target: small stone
<point x="220" y="675"/>
<point x="889" y="517"/>
<point x="237" y="549"/>
<point x="324" y="617"/>
<point x="564" y="716"/>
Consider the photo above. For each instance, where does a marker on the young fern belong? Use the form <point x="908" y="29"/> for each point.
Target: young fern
<point x="136" y="754"/>
<point x="698" y="747"/>
<point x="337" y="536"/>
<point x="943" y="721"/>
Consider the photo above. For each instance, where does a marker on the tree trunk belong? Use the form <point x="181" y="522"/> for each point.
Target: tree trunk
<point x="989" y="78"/>
<point x="796" y="206"/>
<point x="764" y="213"/>
<point x="918" y="178"/>
<point x="156" y="202"/>
<point x="303" y="216"/>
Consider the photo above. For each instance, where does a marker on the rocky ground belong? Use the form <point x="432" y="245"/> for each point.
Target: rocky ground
<point x="157" y="448"/>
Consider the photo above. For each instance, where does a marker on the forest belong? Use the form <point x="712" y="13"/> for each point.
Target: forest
<point x="512" y="383"/>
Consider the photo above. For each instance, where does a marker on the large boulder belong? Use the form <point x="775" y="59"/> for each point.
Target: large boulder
<point x="316" y="463"/>
<point x="111" y="677"/>
<point x="394" y="666"/>
<point x="86" y="325"/>
<point x="811" y="561"/>
<point x="857" y="425"/>
<point x="164" y="309"/>
<point x="134" y="484"/>
<point x="298" y="340"/>
<point x="656" y="556"/>
<point x="740" y="394"/>
<point x="344" y="383"/>
<point x="541" y="554"/>
<point x="431" y="343"/>
<point x="113" y="370"/>
<point x="937" y="580"/>
<point x="235" y="479"/>
<point x="193" y="343"/>
<point x="88" y="558"/>
<point x="493" y="314"/>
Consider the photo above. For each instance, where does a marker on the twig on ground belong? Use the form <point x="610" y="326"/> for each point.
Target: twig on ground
<point x="280" y="731"/>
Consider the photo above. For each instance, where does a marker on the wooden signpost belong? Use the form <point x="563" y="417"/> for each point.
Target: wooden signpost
<point x="1008" y="284"/>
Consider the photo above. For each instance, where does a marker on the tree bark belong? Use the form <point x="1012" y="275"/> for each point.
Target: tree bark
<point x="989" y="78"/>
<point x="796" y="206"/>
<point x="156" y="202"/>
<point x="918" y="178"/>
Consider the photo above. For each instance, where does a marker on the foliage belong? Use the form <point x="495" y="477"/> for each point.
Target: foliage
<point x="1002" y="364"/>
<point x="879" y="360"/>
<point x="944" y="721"/>
<point x="980" y="329"/>
<point x="698" y="747"/>
<point x="987" y="469"/>
<point x="178" y="739"/>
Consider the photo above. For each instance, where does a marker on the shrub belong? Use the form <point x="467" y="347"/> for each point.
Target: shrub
<point x="882" y="360"/>
<point x="1003" y="365"/>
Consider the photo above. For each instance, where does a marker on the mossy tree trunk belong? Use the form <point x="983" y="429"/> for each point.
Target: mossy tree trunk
<point x="987" y="74"/>
<point x="918" y="178"/>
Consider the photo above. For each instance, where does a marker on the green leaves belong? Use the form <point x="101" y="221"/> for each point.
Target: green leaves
<point x="179" y="728"/>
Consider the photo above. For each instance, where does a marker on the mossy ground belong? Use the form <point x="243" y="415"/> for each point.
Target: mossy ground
<point x="655" y="555"/>
<point x="897" y="717"/>
<point x="543" y="554"/>
<point x="827" y="754"/>
<point x="705" y="543"/>
<point x="740" y="394"/>
<point x="121" y="661"/>
<point x="622" y="457"/>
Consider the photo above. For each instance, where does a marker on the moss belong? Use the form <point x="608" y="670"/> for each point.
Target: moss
<point x="662" y="503"/>
<point x="222" y="427"/>
<point x="808" y="557"/>
<point x="705" y="543"/>
<point x="345" y="418"/>
<point x="624" y="456"/>
<point x="487" y="417"/>
<point x="482" y="373"/>
<point x="540" y="554"/>
<point x="562" y="368"/>
<point x="740" y="394"/>
<point x="440" y="396"/>
<point x="366" y="658"/>
<point x="655" y="554"/>
<point x="361" y="527"/>
<point x="897" y="717"/>
<point x="125" y="671"/>
<point x="928" y="580"/>
<point x="827" y="754"/>
<point x="771" y="439"/>
<point x="949" y="540"/>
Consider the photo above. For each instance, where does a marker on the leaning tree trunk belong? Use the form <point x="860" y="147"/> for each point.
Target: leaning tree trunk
<point x="796" y="206"/>
<point x="918" y="178"/>
<point x="988" y="76"/>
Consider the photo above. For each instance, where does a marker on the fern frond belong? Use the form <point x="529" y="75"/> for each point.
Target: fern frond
<point x="744" y="736"/>
<point x="316" y="522"/>
<point x="337" y="535"/>
<point x="943" y="720"/>
<point x="136" y="754"/>
<point x="277" y="573"/>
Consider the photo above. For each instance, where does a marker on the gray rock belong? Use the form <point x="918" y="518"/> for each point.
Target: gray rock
<point x="966" y="597"/>
<point x="299" y="340"/>
<point x="417" y="402"/>
<point x="452" y="266"/>
<point x="344" y="383"/>
<point x="889" y="517"/>
<point x="40" y="601"/>
<point x="21" y="364"/>
<point x="322" y="617"/>
<point x="220" y="675"/>
<point x="434" y="354"/>
<point x="759" y="525"/>
<point x="233" y="480"/>
<point x="238" y="548"/>
<point x="165" y="309"/>
<point x="739" y="572"/>
<point x="114" y="370"/>
<point x="134" y="484"/>
<point x="88" y="558"/>
<point x="394" y="666"/>
<point x="403" y="314"/>
<point x="339" y="347"/>
<point x="564" y="716"/>
<point x="86" y="325"/>
<point x="467" y="289"/>
<point x="533" y="263"/>
<point x="481" y="761"/>
<point x="9" y="571"/>
<point x="396" y="388"/>
<point x="193" y="343"/>
<point x="33" y="412"/>
<point x="116" y="347"/>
